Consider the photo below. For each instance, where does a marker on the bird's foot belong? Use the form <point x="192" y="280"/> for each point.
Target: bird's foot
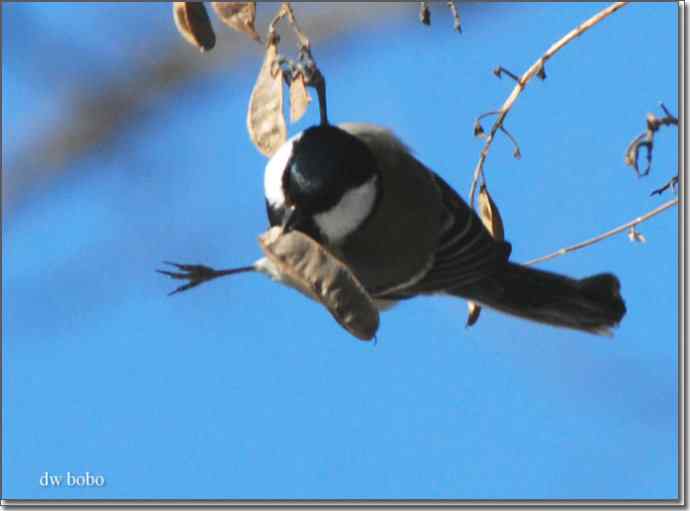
<point x="195" y="274"/>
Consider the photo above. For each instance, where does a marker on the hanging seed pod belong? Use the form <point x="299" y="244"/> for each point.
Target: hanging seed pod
<point x="473" y="311"/>
<point x="193" y="23"/>
<point x="299" y="261"/>
<point x="265" y="120"/>
<point x="239" y="16"/>
<point x="491" y="218"/>
<point x="488" y="212"/>
<point x="299" y="98"/>
<point x="478" y="129"/>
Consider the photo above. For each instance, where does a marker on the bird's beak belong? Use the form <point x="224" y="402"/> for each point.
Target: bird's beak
<point x="292" y="219"/>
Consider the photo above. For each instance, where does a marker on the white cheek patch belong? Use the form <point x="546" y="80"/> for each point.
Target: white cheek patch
<point x="273" y="175"/>
<point x="346" y="216"/>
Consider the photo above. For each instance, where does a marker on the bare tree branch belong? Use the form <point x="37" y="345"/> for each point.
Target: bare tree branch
<point x="607" y="234"/>
<point x="537" y="69"/>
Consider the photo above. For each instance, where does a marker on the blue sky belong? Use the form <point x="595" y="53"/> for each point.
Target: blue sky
<point x="244" y="389"/>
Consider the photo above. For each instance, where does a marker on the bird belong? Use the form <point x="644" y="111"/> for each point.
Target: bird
<point x="361" y="193"/>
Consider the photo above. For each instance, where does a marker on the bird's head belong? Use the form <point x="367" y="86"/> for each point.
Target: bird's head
<point x="323" y="181"/>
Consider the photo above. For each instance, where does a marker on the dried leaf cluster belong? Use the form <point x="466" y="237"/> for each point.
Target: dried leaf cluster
<point x="195" y="26"/>
<point x="265" y="116"/>
<point x="266" y="120"/>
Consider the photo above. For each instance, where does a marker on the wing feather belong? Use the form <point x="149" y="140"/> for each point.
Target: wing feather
<point x="466" y="251"/>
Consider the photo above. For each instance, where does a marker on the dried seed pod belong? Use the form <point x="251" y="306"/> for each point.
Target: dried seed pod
<point x="491" y="218"/>
<point x="299" y="98"/>
<point x="193" y="23"/>
<point x="265" y="120"/>
<point x="489" y="214"/>
<point x="301" y="262"/>
<point x="473" y="311"/>
<point x="632" y="152"/>
<point x="478" y="130"/>
<point x="239" y="16"/>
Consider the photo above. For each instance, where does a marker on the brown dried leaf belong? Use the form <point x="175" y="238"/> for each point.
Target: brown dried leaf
<point x="239" y="16"/>
<point x="632" y="152"/>
<point x="193" y="23"/>
<point x="299" y="98"/>
<point x="473" y="311"/>
<point x="307" y="266"/>
<point x="265" y="120"/>
<point x="488" y="212"/>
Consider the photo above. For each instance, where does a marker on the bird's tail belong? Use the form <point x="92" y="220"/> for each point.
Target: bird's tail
<point x="592" y="304"/>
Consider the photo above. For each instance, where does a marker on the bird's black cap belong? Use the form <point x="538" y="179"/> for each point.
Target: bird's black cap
<point x="326" y="162"/>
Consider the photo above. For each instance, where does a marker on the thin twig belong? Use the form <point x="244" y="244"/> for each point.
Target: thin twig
<point x="500" y="71"/>
<point x="478" y="130"/>
<point x="672" y="184"/>
<point x="607" y="234"/>
<point x="516" y="147"/>
<point x="535" y="70"/>
<point x="487" y="114"/>
<point x="306" y="65"/>
<point x="303" y="40"/>
<point x="646" y="140"/>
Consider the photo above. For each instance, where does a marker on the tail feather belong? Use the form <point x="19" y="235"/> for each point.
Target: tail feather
<point x="592" y="304"/>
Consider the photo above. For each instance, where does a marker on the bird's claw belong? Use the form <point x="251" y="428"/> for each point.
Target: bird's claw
<point x="195" y="273"/>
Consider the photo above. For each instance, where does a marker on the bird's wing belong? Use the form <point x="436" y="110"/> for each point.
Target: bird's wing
<point x="466" y="252"/>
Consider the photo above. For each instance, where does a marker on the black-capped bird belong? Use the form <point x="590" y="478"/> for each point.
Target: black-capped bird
<point x="404" y="232"/>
